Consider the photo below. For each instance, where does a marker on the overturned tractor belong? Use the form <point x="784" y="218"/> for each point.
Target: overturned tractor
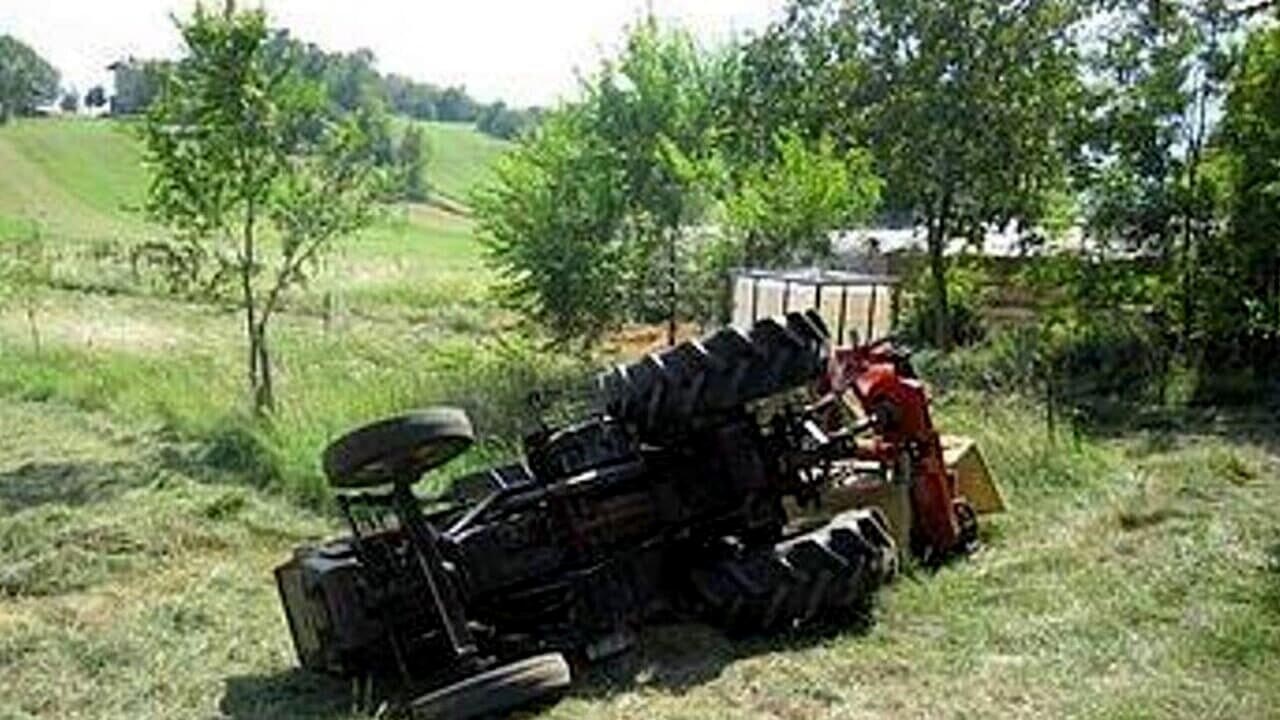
<point x="755" y="477"/>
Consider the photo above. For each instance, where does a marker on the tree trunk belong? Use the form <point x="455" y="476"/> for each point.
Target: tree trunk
<point x="255" y="329"/>
<point x="264" y="397"/>
<point x="939" y="229"/>
<point x="673" y="297"/>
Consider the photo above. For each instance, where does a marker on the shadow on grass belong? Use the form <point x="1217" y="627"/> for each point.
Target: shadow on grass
<point x="69" y="483"/>
<point x="1164" y="428"/>
<point x="679" y="656"/>
<point x="673" y="656"/>
<point x="295" y="693"/>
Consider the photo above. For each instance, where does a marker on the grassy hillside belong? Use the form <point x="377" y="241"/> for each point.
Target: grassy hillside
<point x="84" y="179"/>
<point x="79" y="179"/>
<point x="461" y="157"/>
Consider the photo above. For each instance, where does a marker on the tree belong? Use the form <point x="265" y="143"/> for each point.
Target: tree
<point x="96" y="97"/>
<point x="70" y="101"/>
<point x="1243" y="267"/>
<point x="640" y="168"/>
<point x="454" y="105"/>
<point x="26" y="79"/>
<point x="411" y="163"/>
<point x="806" y="73"/>
<point x="966" y="105"/>
<point x="352" y="80"/>
<point x="786" y="210"/>
<point x="1158" y="71"/>
<point x="253" y="191"/>
<point x="972" y="103"/>
<point x="552" y="222"/>
<point x="652" y="106"/>
<point x="504" y="122"/>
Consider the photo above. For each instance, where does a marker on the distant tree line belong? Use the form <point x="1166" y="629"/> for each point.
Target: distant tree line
<point x="351" y="81"/>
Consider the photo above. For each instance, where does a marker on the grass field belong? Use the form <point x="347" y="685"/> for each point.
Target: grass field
<point x="1137" y="575"/>
<point x="84" y="180"/>
<point x="460" y="158"/>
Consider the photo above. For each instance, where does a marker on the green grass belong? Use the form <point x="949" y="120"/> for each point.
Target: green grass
<point x="460" y="158"/>
<point x="1130" y="579"/>
<point x="79" y="179"/>
<point x="180" y="374"/>
<point x="84" y="180"/>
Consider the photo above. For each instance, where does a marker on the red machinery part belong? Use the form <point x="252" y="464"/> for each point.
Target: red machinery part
<point x="881" y="379"/>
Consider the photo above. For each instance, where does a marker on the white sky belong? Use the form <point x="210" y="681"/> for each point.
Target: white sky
<point x="521" y="51"/>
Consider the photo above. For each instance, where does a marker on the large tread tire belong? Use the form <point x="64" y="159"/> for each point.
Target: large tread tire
<point x="494" y="691"/>
<point x="398" y="449"/>
<point x="821" y="575"/>
<point x="663" y="392"/>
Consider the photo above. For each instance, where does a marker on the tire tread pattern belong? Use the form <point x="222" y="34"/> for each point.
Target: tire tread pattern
<point x="664" y="392"/>
<point x="827" y="572"/>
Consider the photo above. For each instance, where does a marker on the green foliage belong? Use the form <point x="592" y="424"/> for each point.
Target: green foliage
<point x="807" y="73"/>
<point x="965" y="105"/>
<point x="973" y="99"/>
<point x="1156" y="78"/>
<point x="652" y="109"/>
<point x="588" y="220"/>
<point x="787" y="209"/>
<point x="26" y="264"/>
<point x="552" y="221"/>
<point x="26" y="79"/>
<point x="69" y="102"/>
<point x="968" y="291"/>
<point x="411" y="164"/>
<point x="1243" y="308"/>
<point x="96" y="97"/>
<point x="1102" y="368"/>
<point x="239" y="143"/>
<point x="503" y="122"/>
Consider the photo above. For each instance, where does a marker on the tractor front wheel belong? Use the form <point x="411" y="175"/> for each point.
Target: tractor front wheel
<point x="497" y="690"/>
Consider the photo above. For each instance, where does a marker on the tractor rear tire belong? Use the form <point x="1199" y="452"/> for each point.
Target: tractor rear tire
<point x="823" y="575"/>
<point x="497" y="690"/>
<point x="662" y="393"/>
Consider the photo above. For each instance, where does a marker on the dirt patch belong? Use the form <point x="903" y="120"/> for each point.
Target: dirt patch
<point x="636" y="340"/>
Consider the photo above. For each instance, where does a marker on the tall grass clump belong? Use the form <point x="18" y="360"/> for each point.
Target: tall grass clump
<point x="330" y="384"/>
<point x="343" y="384"/>
<point x="1033" y="461"/>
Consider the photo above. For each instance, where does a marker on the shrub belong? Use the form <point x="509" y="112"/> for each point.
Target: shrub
<point x="966" y="294"/>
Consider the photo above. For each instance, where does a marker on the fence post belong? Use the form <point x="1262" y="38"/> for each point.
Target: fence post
<point x="755" y="298"/>
<point x="844" y="310"/>
<point x="871" y="314"/>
